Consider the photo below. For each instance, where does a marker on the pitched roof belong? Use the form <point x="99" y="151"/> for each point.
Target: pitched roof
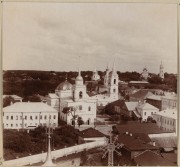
<point x="137" y="127"/>
<point x="142" y="93"/>
<point x="169" y="113"/>
<point x="119" y="103"/>
<point x="29" y="107"/>
<point x="134" y="144"/>
<point x="172" y="157"/>
<point x="149" y="158"/>
<point x="155" y="97"/>
<point x="90" y="133"/>
<point x="138" y="82"/>
<point x="53" y="95"/>
<point x="13" y="96"/>
<point x="131" y="106"/>
<point x="165" y="141"/>
<point x="147" y="106"/>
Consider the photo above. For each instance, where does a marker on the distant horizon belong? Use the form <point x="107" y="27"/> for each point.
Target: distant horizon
<point x="88" y="70"/>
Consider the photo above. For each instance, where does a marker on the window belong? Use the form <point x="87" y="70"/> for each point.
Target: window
<point x="54" y="116"/>
<point x="25" y="117"/>
<point x="16" y="125"/>
<point x="114" y="90"/>
<point x="31" y="117"/>
<point x="16" y="117"/>
<point x="11" y="117"/>
<point x="80" y="94"/>
<point x="80" y="107"/>
<point x="89" y="108"/>
<point x="36" y="117"/>
<point x="114" y="81"/>
<point x="144" y="113"/>
<point x="45" y="117"/>
<point x="7" y="117"/>
<point x="11" y="125"/>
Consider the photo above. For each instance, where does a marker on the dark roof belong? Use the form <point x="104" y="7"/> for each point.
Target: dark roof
<point x="142" y="93"/>
<point x="142" y="136"/>
<point x="137" y="127"/>
<point x="165" y="142"/>
<point x="119" y="103"/>
<point x="134" y="144"/>
<point x="149" y="158"/>
<point x="90" y="133"/>
<point x="172" y="157"/>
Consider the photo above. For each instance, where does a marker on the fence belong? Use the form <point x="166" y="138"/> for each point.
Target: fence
<point x="55" y="154"/>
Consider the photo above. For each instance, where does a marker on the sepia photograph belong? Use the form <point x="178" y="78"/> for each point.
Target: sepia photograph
<point x="89" y="83"/>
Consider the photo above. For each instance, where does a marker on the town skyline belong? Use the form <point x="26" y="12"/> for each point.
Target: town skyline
<point x="136" y="35"/>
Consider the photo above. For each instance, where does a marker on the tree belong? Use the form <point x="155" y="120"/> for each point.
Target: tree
<point x="34" y="98"/>
<point x="7" y="101"/>
<point x="80" y="121"/>
<point x="71" y="110"/>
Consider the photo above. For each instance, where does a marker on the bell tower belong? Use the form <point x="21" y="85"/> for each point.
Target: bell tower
<point x="161" y="72"/>
<point x="113" y="83"/>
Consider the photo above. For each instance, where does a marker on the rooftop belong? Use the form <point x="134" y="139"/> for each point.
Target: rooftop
<point x="155" y="97"/>
<point x="131" y="105"/>
<point x="149" y="158"/>
<point x="142" y="93"/>
<point x="13" y="96"/>
<point x="169" y="113"/>
<point x="147" y="106"/>
<point x="137" y="127"/>
<point x="90" y="133"/>
<point x="134" y="144"/>
<point x="138" y="82"/>
<point x="29" y="107"/>
<point x="53" y="95"/>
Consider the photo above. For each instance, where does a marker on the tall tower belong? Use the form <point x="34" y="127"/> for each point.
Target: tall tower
<point x="79" y="91"/>
<point x="161" y="72"/>
<point x="106" y="77"/>
<point x="113" y="83"/>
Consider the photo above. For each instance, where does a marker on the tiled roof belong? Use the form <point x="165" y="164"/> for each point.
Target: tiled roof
<point x="29" y="107"/>
<point x="134" y="144"/>
<point x="90" y="133"/>
<point x="149" y="158"/>
<point x="119" y="103"/>
<point x="137" y="127"/>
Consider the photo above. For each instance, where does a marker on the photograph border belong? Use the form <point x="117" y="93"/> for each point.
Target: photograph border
<point x="83" y="1"/>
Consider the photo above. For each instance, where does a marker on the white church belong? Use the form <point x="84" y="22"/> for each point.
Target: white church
<point x="81" y="104"/>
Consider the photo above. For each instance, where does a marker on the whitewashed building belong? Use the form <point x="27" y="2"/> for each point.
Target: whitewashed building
<point x="75" y="97"/>
<point x="169" y="101"/>
<point x="95" y="76"/>
<point x="145" y="110"/>
<point x="167" y="119"/>
<point x="24" y="115"/>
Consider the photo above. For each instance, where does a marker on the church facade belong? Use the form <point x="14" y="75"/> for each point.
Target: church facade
<point x="78" y="102"/>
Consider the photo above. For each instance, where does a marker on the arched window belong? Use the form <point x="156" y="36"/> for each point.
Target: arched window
<point x="80" y="94"/>
<point x="114" y="90"/>
<point x="114" y="81"/>
<point x="89" y="108"/>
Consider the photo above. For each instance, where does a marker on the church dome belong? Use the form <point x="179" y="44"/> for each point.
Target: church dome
<point x="79" y="78"/>
<point x="64" y="86"/>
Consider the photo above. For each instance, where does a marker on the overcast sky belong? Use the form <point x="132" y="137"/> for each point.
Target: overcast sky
<point x="51" y="36"/>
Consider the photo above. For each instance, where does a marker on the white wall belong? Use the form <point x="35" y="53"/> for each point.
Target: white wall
<point x="55" y="154"/>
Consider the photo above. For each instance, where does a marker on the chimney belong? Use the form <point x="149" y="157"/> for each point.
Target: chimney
<point x="154" y="143"/>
